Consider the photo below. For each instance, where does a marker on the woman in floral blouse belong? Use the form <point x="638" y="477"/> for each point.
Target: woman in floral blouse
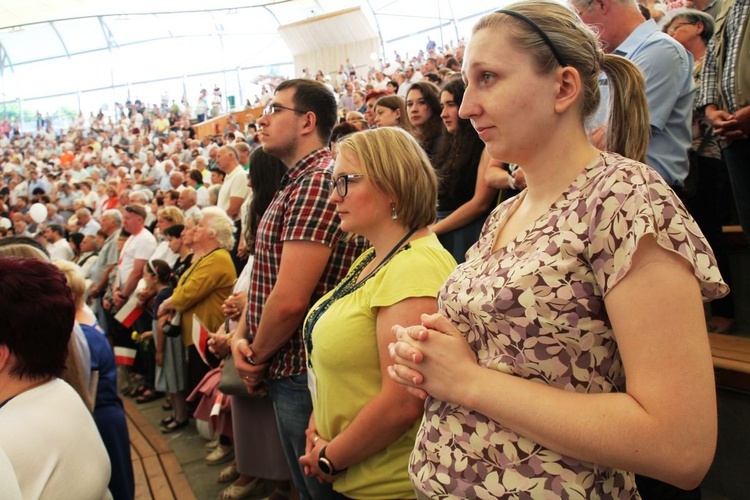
<point x="595" y="271"/>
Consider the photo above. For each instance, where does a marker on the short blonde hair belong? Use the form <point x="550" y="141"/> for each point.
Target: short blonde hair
<point x="173" y="215"/>
<point x="394" y="161"/>
<point x="219" y="222"/>
<point x="74" y="278"/>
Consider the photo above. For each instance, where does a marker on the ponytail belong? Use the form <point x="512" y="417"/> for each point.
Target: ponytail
<point x="628" y="126"/>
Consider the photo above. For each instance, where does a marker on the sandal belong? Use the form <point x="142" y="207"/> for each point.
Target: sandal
<point x="227" y="474"/>
<point x="234" y="492"/>
<point x="174" y="426"/>
<point x="167" y="406"/>
<point x="136" y="390"/>
<point x="166" y="421"/>
<point x="148" y="396"/>
<point x="220" y="454"/>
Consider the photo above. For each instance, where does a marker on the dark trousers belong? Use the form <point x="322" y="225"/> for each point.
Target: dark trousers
<point x="737" y="158"/>
<point x="707" y="208"/>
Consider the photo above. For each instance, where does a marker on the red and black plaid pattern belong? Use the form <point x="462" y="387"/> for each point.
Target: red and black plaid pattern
<point x="300" y="211"/>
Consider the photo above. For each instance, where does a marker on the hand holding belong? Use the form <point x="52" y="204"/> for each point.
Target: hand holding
<point x="234" y="305"/>
<point x="433" y="358"/>
<point x="218" y="343"/>
<point x="314" y="444"/>
<point x="253" y="376"/>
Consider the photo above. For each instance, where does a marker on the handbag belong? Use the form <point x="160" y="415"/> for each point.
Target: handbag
<point x="230" y="382"/>
<point x="172" y="328"/>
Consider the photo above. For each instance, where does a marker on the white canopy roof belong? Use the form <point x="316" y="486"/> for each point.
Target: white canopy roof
<point x="108" y="51"/>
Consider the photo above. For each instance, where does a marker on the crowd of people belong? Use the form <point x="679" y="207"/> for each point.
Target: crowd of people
<point x="422" y="286"/>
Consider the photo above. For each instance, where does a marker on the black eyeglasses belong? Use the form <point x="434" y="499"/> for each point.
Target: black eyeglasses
<point x="274" y="108"/>
<point x="341" y="183"/>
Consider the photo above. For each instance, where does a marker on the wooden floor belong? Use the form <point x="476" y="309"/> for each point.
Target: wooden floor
<point x="731" y="356"/>
<point x="158" y="474"/>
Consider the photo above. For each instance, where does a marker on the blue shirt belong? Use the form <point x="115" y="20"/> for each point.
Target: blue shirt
<point x="670" y="90"/>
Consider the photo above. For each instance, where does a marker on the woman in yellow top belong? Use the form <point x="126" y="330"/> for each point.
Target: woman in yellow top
<point x="205" y="285"/>
<point x="363" y="424"/>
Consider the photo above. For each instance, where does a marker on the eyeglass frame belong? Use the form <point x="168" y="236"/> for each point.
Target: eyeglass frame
<point x="334" y="183"/>
<point x="586" y="7"/>
<point x="673" y="29"/>
<point x="273" y="107"/>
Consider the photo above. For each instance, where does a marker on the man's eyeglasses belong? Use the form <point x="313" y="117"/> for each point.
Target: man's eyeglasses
<point x="341" y="183"/>
<point x="677" y="26"/>
<point x="274" y="108"/>
<point x="583" y="9"/>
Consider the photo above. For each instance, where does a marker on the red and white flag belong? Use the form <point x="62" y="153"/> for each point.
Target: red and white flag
<point x="200" y="337"/>
<point x="124" y="356"/>
<point x="129" y="312"/>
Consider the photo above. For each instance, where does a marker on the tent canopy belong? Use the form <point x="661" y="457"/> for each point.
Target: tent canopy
<point x="89" y="53"/>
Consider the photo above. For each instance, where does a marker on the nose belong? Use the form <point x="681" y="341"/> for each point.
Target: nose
<point x="469" y="106"/>
<point x="444" y="113"/>
<point x="335" y="197"/>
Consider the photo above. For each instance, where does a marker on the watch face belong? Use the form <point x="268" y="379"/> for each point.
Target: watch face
<point x="325" y="466"/>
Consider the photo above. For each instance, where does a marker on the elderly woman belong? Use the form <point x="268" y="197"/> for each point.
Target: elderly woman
<point x="205" y="285"/>
<point x="108" y="412"/>
<point x="570" y="349"/>
<point x="38" y="411"/>
<point x="363" y="425"/>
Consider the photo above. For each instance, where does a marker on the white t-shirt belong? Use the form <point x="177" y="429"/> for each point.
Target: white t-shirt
<point x="234" y="186"/>
<point x="9" y="488"/>
<point x="53" y="444"/>
<point x="138" y="246"/>
<point x="60" y="250"/>
<point x="202" y="193"/>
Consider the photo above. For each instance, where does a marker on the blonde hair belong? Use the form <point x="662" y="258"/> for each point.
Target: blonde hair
<point x="628" y="125"/>
<point x="393" y="160"/>
<point x="220" y="223"/>
<point x="173" y="215"/>
<point x="74" y="278"/>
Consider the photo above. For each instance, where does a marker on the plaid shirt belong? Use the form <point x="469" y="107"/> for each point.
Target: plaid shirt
<point x="300" y="211"/>
<point x="713" y="83"/>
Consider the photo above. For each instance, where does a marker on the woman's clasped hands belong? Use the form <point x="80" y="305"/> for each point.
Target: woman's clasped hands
<point x="433" y="358"/>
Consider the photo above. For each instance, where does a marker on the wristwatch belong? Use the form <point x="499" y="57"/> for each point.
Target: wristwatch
<point x="326" y="466"/>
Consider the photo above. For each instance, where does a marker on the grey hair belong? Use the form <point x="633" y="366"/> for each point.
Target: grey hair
<point x="219" y="222"/>
<point x="693" y="16"/>
<point x="113" y="215"/>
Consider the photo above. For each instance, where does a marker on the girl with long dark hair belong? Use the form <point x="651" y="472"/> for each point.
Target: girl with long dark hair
<point x="464" y="198"/>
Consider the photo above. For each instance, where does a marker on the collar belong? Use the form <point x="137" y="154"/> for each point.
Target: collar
<point x="636" y="38"/>
<point x="306" y="163"/>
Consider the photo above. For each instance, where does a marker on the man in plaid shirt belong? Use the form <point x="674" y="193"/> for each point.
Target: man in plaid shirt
<point x="725" y="93"/>
<point x="300" y="254"/>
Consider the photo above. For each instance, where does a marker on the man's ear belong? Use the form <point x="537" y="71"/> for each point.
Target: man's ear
<point x="310" y="124"/>
<point x="4" y="358"/>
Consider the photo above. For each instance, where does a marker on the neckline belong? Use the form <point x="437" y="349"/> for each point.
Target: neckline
<point x="575" y="186"/>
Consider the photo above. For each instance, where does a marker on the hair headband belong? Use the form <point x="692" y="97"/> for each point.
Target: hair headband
<point x="539" y="30"/>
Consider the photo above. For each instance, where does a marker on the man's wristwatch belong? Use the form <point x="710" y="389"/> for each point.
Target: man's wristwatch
<point x="326" y="466"/>
<point x="250" y="358"/>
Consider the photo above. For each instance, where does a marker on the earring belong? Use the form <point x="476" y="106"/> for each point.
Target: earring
<point x="394" y="214"/>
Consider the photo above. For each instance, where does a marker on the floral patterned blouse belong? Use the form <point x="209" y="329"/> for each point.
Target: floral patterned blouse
<point x="535" y="309"/>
